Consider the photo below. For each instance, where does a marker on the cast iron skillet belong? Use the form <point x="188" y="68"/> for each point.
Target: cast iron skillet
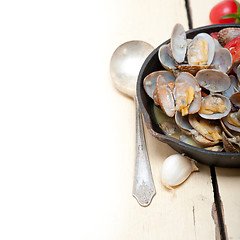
<point x="151" y="64"/>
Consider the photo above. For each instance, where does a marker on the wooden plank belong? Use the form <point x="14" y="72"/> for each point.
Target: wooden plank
<point x="67" y="136"/>
<point x="185" y="215"/>
<point x="228" y="179"/>
<point x="229" y="182"/>
<point x="200" y="11"/>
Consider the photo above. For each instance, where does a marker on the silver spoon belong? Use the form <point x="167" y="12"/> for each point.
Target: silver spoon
<point x="125" y="65"/>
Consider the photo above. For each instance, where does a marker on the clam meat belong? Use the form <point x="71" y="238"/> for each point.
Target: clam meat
<point x="198" y="92"/>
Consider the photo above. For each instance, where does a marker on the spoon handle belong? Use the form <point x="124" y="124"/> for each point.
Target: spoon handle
<point x="143" y="185"/>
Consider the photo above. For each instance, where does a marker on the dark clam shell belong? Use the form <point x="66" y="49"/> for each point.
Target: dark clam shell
<point x="227" y="34"/>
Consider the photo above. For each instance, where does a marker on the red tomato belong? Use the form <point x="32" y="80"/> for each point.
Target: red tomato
<point x="214" y="35"/>
<point x="234" y="47"/>
<point x="221" y="9"/>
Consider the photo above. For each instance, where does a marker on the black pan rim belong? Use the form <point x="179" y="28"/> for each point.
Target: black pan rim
<point x="148" y="121"/>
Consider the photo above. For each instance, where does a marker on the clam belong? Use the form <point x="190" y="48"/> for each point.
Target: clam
<point x="232" y="122"/>
<point x="169" y="127"/>
<point x="183" y="124"/>
<point x="200" y="54"/>
<point x="222" y="60"/>
<point x="238" y="72"/>
<point x="235" y="99"/>
<point x="213" y="80"/>
<point x="193" y="69"/>
<point x="166" y="58"/>
<point x="207" y="128"/>
<point x="236" y="68"/>
<point x="168" y="62"/>
<point x="227" y="130"/>
<point x="203" y="141"/>
<point x="227" y="34"/>
<point x="165" y="96"/>
<point x="155" y="98"/>
<point x="235" y="65"/>
<point x="201" y="50"/>
<point x="178" y="43"/>
<point x="149" y="82"/>
<point x="216" y="148"/>
<point x="187" y="94"/>
<point x="186" y="128"/>
<point x="233" y="87"/>
<point x="184" y="97"/>
<point x="215" y="106"/>
<point x="228" y="144"/>
<point x="217" y="44"/>
<point x="235" y="140"/>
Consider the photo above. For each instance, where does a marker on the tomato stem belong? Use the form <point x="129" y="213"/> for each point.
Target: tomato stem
<point x="233" y="15"/>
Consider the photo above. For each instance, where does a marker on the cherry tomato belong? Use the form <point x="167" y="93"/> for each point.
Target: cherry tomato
<point x="214" y="35"/>
<point x="221" y="9"/>
<point x="234" y="47"/>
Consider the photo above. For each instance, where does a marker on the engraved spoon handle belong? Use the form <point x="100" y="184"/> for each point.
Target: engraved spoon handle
<point x="143" y="185"/>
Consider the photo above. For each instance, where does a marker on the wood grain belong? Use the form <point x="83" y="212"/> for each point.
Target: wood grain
<point x="68" y="136"/>
<point x="185" y="214"/>
<point x="228" y="179"/>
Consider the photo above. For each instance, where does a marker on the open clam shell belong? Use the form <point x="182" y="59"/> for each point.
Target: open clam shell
<point x="227" y="130"/>
<point x="170" y="128"/>
<point x="213" y="99"/>
<point x="235" y="99"/>
<point x="165" y="96"/>
<point x="207" y="128"/>
<point x="228" y="145"/>
<point x="236" y="68"/>
<point x="183" y="124"/>
<point x="182" y="84"/>
<point x="166" y="58"/>
<point x="238" y="72"/>
<point x="233" y="129"/>
<point x="198" y="52"/>
<point x="213" y="80"/>
<point x="216" y="148"/>
<point x="217" y="44"/>
<point x="178" y="43"/>
<point x="233" y="87"/>
<point x="149" y="82"/>
<point x="222" y="60"/>
<point x="202" y="141"/>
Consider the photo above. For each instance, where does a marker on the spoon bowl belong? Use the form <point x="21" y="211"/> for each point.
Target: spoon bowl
<point x="126" y="63"/>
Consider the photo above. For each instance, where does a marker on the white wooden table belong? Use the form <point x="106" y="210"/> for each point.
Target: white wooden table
<point x="191" y="213"/>
<point x="68" y="136"/>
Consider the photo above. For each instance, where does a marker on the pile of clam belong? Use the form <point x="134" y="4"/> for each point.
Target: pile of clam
<point x="197" y="90"/>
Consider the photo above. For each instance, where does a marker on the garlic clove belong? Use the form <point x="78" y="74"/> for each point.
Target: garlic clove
<point x="176" y="169"/>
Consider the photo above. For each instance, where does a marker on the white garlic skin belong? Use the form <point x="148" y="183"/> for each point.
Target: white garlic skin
<point x="176" y="169"/>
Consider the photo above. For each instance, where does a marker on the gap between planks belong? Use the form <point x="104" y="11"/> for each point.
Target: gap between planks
<point x="217" y="206"/>
<point x="219" y="219"/>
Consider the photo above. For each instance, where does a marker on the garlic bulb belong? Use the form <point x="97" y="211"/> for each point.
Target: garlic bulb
<point x="176" y="169"/>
